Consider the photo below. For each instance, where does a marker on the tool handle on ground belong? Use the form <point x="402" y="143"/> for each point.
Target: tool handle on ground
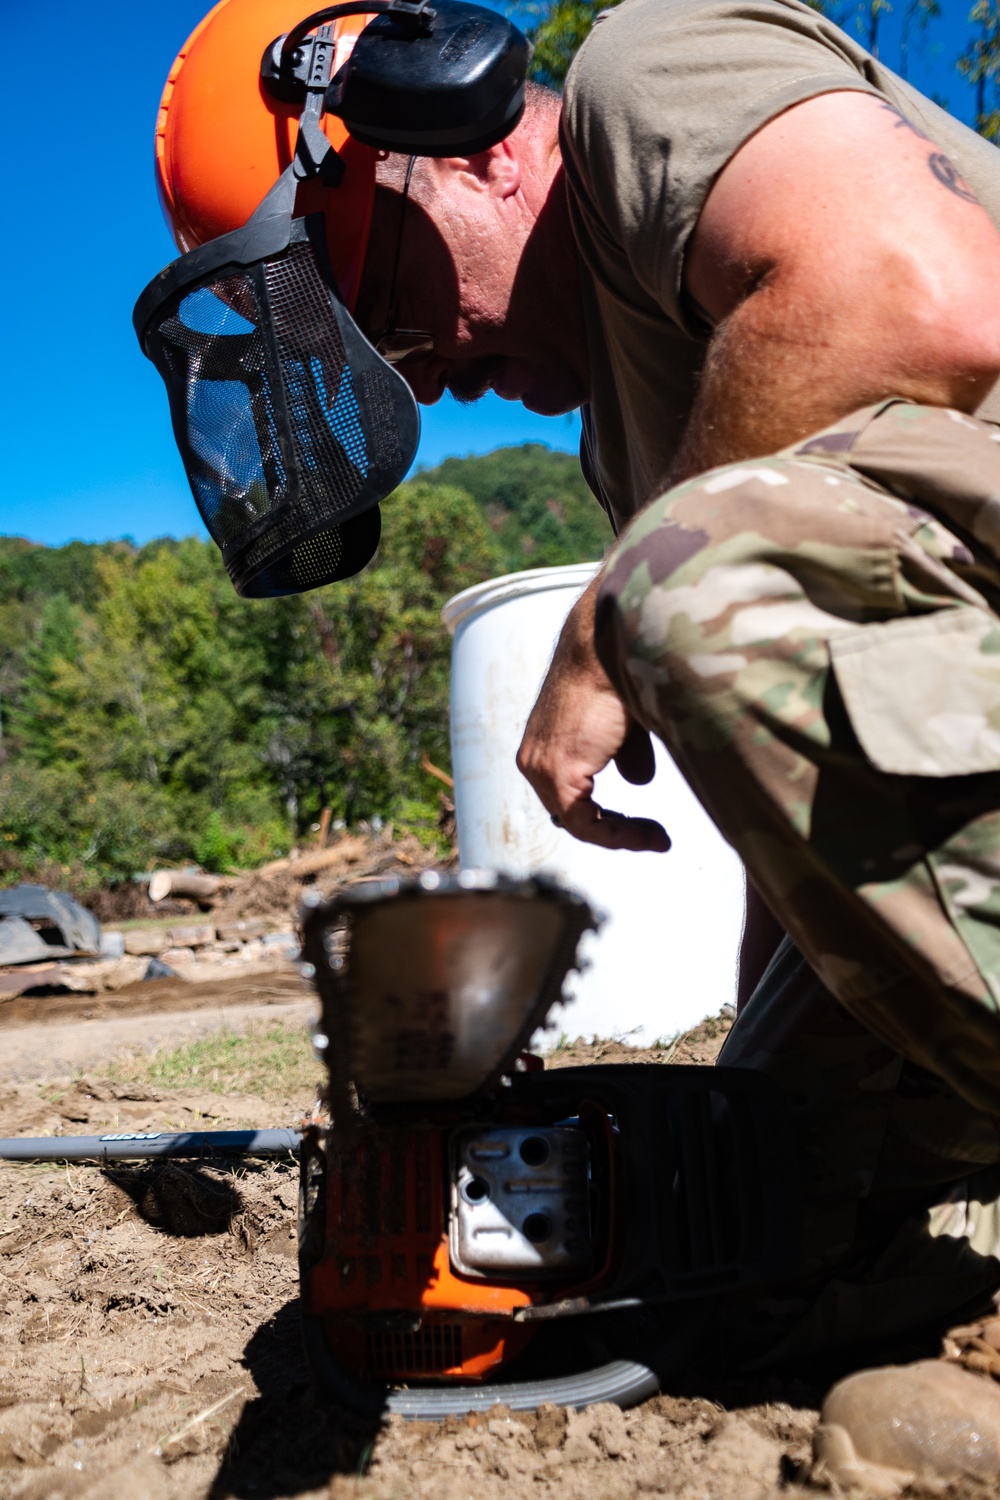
<point x="138" y="1146"/>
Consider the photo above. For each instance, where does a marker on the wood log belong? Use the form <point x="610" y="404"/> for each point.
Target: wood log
<point x="192" y="884"/>
<point x="349" y="850"/>
<point x="324" y="827"/>
<point x="432" y="770"/>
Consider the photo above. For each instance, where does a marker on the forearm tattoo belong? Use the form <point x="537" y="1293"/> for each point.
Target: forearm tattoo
<point x="943" y="170"/>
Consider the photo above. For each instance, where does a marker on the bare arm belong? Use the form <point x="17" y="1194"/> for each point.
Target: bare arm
<point x="842" y="260"/>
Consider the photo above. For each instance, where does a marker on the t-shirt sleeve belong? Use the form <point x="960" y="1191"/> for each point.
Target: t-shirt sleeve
<point x="661" y="95"/>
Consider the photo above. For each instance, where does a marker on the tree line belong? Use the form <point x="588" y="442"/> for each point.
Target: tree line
<point x="148" y="714"/>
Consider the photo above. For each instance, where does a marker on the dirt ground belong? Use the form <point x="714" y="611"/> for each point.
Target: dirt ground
<point x="149" y="1336"/>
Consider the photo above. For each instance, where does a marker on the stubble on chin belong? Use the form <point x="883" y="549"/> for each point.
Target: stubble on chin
<point x="470" y="381"/>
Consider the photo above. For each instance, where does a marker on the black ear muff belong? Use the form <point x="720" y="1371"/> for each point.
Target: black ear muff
<point x="446" y="81"/>
<point x="449" y="91"/>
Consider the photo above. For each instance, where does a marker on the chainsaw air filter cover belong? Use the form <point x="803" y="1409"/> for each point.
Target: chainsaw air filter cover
<point x="442" y="981"/>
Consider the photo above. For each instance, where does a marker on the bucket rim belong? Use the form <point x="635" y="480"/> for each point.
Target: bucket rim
<point x="482" y="596"/>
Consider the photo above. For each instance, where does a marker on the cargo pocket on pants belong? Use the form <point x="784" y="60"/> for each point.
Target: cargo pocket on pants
<point x="923" y="693"/>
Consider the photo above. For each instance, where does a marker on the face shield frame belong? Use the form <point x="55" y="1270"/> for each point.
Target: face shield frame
<point x="290" y="425"/>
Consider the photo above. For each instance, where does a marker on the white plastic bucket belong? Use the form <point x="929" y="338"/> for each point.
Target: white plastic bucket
<point x="666" y="955"/>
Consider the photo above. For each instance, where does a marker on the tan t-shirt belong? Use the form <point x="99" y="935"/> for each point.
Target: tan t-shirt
<point x="660" y="96"/>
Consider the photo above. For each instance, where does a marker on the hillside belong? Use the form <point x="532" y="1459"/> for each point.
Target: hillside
<point x="148" y="714"/>
<point x="537" y="503"/>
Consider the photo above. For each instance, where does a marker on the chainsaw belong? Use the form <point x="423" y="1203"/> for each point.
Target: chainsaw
<point x="474" y="1227"/>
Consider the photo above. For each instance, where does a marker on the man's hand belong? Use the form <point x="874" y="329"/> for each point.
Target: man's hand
<point x="576" y="727"/>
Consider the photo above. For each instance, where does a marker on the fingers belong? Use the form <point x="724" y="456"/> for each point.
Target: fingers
<point x="592" y="824"/>
<point x="635" y="759"/>
<point x="577" y="726"/>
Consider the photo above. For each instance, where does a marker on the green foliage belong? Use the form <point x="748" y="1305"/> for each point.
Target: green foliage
<point x="423" y="820"/>
<point x="149" y="714"/>
<point x="94" y="830"/>
<point x="537" y="502"/>
<point x="214" y="845"/>
<point x="561" y="27"/>
<point x="27" y="571"/>
<point x="980" y="65"/>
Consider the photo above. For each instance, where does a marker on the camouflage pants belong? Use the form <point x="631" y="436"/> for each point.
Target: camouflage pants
<point x="901" y="1187"/>
<point x="816" y="638"/>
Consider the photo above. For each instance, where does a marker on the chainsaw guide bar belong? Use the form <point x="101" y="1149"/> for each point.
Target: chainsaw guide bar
<point x="444" y="978"/>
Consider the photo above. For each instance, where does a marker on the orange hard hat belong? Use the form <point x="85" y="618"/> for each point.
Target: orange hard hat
<point x="222" y="141"/>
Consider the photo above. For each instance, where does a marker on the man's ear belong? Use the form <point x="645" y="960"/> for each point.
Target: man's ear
<point x="495" y="170"/>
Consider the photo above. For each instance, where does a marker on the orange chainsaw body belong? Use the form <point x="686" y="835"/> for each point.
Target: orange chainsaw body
<point x="392" y="1304"/>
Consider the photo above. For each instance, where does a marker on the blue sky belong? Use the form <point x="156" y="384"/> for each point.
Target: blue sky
<point x="84" y="427"/>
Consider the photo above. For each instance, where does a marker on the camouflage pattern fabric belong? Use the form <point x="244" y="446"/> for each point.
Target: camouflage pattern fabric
<point x="900" y="1181"/>
<point x="816" y="638"/>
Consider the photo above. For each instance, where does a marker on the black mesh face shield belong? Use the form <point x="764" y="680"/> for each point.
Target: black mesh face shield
<point x="290" y="425"/>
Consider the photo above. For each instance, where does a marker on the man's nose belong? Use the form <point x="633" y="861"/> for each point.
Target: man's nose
<point x="426" y="379"/>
